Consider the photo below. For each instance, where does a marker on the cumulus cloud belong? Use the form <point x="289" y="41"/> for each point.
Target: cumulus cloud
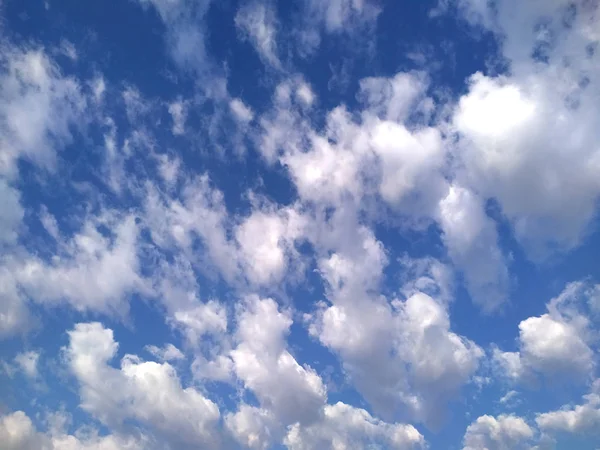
<point x="381" y="157"/>
<point x="399" y="355"/>
<point x="555" y="344"/>
<point x="472" y="242"/>
<point x="352" y="428"/>
<point x="203" y="319"/>
<point x="294" y="393"/>
<point x="223" y="264"/>
<point x="95" y="271"/>
<point x="535" y="130"/>
<point x="148" y="392"/>
<point x="498" y="433"/>
<point x="252" y="427"/>
<point x="17" y="432"/>
<point x="197" y="214"/>
<point x="267" y="244"/>
<point x="581" y="419"/>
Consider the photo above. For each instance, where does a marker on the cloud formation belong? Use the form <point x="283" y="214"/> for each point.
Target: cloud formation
<point x="207" y="242"/>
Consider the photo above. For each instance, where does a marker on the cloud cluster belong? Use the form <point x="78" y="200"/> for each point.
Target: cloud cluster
<point x="558" y="344"/>
<point x="321" y="249"/>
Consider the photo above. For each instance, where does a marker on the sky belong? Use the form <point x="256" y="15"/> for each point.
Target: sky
<point x="307" y="224"/>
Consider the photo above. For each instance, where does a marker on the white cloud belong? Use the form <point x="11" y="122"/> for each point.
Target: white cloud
<point x="198" y="213"/>
<point x="398" y="356"/>
<point x="580" y="420"/>
<point x="551" y="345"/>
<point x="350" y="17"/>
<point x="167" y="353"/>
<point x="259" y="249"/>
<point x="148" y="392"/>
<point x="252" y="427"/>
<point x="472" y="242"/>
<point x="535" y="130"/>
<point x="15" y="316"/>
<point x="205" y="318"/>
<point x="257" y="22"/>
<point x="510" y="399"/>
<point x="351" y="157"/>
<point x="68" y="49"/>
<point x="267" y="244"/>
<point x="49" y="222"/>
<point x="305" y="94"/>
<point x="185" y="37"/>
<point x="98" y="86"/>
<point x="429" y="276"/>
<point x="28" y="363"/>
<point x="293" y="393"/>
<point x="346" y="427"/>
<point x="12" y="213"/>
<point x="169" y="169"/>
<point x="242" y="112"/>
<point x="17" y="432"/>
<point x="392" y="99"/>
<point x="178" y="115"/>
<point x="555" y="344"/>
<point x="39" y="108"/>
<point x="93" y="271"/>
<point x="498" y="433"/>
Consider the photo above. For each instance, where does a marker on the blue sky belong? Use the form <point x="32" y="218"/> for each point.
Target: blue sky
<point x="312" y="224"/>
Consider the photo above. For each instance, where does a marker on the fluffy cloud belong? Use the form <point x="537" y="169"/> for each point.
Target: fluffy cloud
<point x="539" y="120"/>
<point x="203" y="319"/>
<point x="346" y="427"/>
<point x="555" y="344"/>
<point x="400" y="159"/>
<point x="498" y="433"/>
<point x="351" y="158"/>
<point x="39" y="107"/>
<point x="292" y="392"/>
<point x="379" y="156"/>
<point x="242" y="112"/>
<point x="401" y="355"/>
<point x="17" y="432"/>
<point x="252" y="427"/>
<point x="472" y="242"/>
<point x="580" y="419"/>
<point x="266" y="241"/>
<point x="148" y="392"/>
<point x="198" y="213"/>
<point x="94" y="271"/>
